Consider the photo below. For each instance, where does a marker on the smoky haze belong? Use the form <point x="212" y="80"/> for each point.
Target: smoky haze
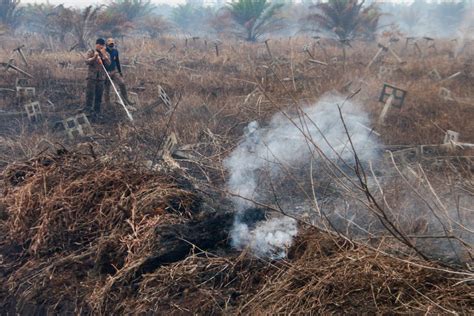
<point x="296" y="160"/>
<point x="83" y="3"/>
<point x="267" y="154"/>
<point x="216" y="19"/>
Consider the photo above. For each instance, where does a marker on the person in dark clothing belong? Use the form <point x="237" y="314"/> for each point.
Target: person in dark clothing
<point x="115" y="73"/>
<point x="96" y="76"/>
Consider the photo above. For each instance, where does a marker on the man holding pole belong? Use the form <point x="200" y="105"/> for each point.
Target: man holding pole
<point x="96" y="76"/>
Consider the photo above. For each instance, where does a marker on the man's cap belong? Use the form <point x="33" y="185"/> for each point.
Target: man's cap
<point x="100" y="41"/>
<point x="110" y="40"/>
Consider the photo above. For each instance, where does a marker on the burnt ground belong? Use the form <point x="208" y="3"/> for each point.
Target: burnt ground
<point x="105" y="223"/>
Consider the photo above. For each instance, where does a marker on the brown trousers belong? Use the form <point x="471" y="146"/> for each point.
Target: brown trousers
<point x="119" y="83"/>
<point x="94" y="91"/>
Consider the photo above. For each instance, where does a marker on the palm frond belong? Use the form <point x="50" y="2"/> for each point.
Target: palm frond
<point x="343" y="18"/>
<point x="255" y="17"/>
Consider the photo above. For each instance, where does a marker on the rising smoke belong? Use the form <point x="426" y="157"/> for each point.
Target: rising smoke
<point x="272" y="164"/>
<point x="465" y="31"/>
<point x="270" y="155"/>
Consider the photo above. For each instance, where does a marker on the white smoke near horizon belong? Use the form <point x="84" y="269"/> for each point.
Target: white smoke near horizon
<point x="286" y="145"/>
<point x="465" y="30"/>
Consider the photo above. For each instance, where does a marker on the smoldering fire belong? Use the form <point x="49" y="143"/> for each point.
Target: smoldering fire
<point x="289" y="141"/>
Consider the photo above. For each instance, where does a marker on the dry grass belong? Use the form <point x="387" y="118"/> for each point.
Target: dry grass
<point x="75" y="227"/>
<point x="72" y="211"/>
<point x="230" y="85"/>
<point x="332" y="276"/>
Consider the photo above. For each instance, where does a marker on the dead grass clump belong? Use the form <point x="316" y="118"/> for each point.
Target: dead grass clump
<point x="322" y="275"/>
<point x="67" y="201"/>
<point x="71" y="220"/>
<point x="331" y="276"/>
<point x="86" y="236"/>
<point x="203" y="284"/>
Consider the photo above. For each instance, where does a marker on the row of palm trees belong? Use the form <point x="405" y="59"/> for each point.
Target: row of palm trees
<point x="251" y="19"/>
<point x="247" y="19"/>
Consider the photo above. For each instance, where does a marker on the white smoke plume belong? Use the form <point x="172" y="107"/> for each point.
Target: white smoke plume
<point x="270" y="238"/>
<point x="289" y="142"/>
<point x="465" y="30"/>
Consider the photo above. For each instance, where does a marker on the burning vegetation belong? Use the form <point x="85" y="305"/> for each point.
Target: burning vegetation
<point x="250" y="158"/>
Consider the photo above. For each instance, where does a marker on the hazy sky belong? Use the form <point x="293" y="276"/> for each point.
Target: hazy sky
<point x="83" y="3"/>
<point x="79" y="3"/>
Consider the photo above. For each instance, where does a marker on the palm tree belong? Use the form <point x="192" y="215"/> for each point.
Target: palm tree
<point x="221" y="22"/>
<point x="120" y="16"/>
<point x="83" y="24"/>
<point x="339" y="18"/>
<point x="154" y="25"/>
<point x="183" y="15"/>
<point x="130" y="9"/>
<point x="256" y="17"/>
<point x="345" y="20"/>
<point x="190" y="17"/>
<point x="10" y="13"/>
<point x="113" y="23"/>
<point x="369" y="23"/>
<point x="48" y="20"/>
<point x="35" y="17"/>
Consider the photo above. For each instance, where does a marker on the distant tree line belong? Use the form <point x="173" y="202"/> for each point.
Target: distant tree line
<point x="344" y="20"/>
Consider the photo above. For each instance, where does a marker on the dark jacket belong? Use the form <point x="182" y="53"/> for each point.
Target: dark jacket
<point x="114" y="60"/>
